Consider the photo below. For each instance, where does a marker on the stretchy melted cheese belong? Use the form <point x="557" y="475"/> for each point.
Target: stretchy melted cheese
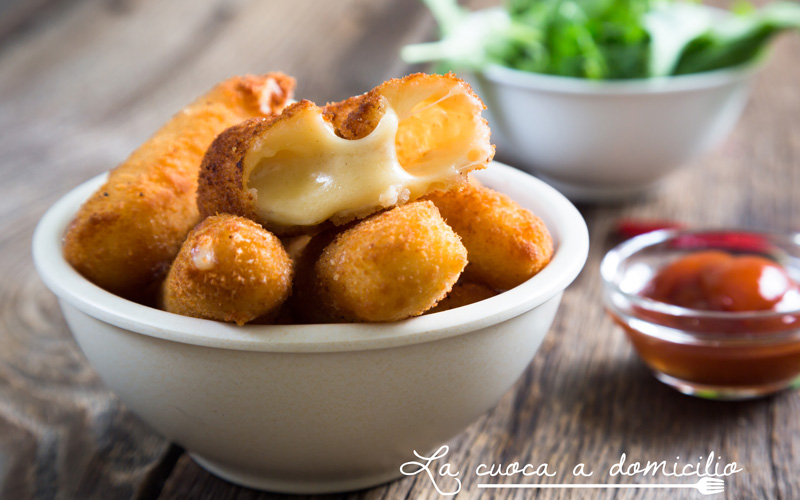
<point x="347" y="160"/>
<point x="303" y="173"/>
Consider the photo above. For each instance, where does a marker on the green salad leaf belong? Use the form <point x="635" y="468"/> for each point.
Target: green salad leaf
<point x="467" y="37"/>
<point x="601" y="39"/>
<point x="737" y="39"/>
<point x="671" y="27"/>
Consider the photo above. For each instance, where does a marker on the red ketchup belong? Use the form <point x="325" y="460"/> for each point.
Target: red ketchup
<point x="752" y="349"/>
<point x="718" y="281"/>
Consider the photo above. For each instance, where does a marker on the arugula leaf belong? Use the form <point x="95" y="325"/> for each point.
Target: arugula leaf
<point x="584" y="38"/>
<point x="601" y="39"/>
<point x="467" y="37"/>
<point x="738" y="39"/>
<point x="671" y="27"/>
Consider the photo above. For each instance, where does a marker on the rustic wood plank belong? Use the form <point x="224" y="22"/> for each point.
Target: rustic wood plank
<point x="18" y="16"/>
<point x="62" y="434"/>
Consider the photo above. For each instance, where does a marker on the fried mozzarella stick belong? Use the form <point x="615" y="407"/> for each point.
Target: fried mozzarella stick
<point x="228" y="269"/>
<point x="347" y="160"/>
<point x="507" y="244"/>
<point x="392" y="266"/>
<point x="125" y="236"/>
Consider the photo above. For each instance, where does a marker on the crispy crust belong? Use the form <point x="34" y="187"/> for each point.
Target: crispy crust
<point x="356" y="117"/>
<point x="507" y="244"/>
<point x="228" y="269"/>
<point x="389" y="267"/>
<point x="223" y="186"/>
<point x="124" y="237"/>
<point x="219" y="183"/>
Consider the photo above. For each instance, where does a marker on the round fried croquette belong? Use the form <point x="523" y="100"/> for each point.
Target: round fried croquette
<point x="348" y="160"/>
<point x="392" y="266"/>
<point x="463" y="293"/>
<point x="125" y="236"/>
<point x="228" y="269"/>
<point x="507" y="244"/>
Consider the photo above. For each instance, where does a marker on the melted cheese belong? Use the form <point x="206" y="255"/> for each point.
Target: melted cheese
<point x="203" y="256"/>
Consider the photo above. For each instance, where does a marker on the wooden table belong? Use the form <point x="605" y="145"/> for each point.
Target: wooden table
<point x="83" y="82"/>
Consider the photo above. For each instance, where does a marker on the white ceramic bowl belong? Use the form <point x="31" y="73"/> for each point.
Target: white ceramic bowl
<point x="605" y="140"/>
<point x="315" y="408"/>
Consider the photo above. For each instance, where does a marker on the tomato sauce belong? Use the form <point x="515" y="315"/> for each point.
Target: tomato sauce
<point x="742" y="349"/>
<point x="718" y="281"/>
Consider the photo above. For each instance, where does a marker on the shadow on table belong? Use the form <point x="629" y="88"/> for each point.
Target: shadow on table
<point x="621" y="401"/>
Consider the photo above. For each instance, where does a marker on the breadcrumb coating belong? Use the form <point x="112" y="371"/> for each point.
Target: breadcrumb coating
<point x="347" y="160"/>
<point x="392" y="266"/>
<point x="507" y="244"/>
<point x="125" y="236"/>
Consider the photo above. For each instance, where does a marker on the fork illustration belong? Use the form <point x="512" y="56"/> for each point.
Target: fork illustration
<point x="706" y="486"/>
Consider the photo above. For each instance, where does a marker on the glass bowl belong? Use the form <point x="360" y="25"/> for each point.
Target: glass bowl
<point x="710" y="354"/>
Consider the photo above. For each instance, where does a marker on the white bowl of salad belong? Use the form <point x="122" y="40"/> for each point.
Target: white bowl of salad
<point x="604" y="99"/>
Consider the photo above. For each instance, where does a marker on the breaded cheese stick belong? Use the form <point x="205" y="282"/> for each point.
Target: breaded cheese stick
<point x="228" y="269"/>
<point x="392" y="266"/>
<point x="125" y="236"/>
<point x="507" y="244"/>
<point x="401" y="140"/>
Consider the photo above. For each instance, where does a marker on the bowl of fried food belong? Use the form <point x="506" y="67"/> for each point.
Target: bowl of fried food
<point x="304" y="296"/>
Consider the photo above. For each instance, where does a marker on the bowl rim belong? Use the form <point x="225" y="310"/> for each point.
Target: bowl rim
<point x="612" y="260"/>
<point x="572" y="246"/>
<point x="497" y="73"/>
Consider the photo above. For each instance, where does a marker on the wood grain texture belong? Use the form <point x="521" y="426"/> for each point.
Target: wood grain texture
<point x="83" y="82"/>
